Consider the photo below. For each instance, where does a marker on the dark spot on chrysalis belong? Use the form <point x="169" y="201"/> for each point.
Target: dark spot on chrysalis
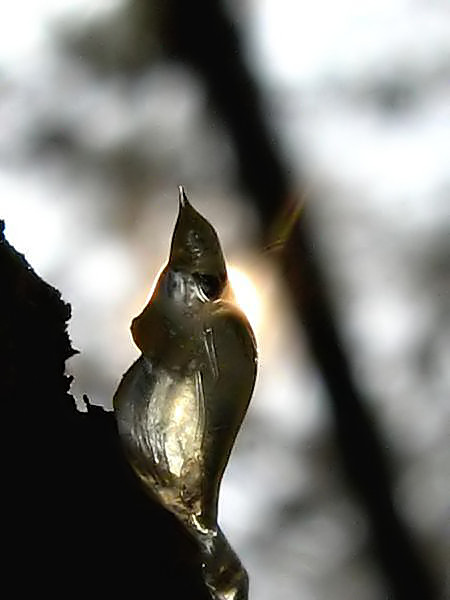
<point x="211" y="285"/>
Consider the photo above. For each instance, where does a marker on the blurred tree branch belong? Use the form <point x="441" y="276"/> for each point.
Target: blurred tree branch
<point x="205" y="38"/>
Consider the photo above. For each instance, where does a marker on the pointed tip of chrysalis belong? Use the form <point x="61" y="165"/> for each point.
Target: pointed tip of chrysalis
<point x="182" y="198"/>
<point x="195" y="245"/>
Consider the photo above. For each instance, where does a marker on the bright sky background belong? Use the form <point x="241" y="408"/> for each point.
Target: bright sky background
<point x="26" y="26"/>
<point x="383" y="178"/>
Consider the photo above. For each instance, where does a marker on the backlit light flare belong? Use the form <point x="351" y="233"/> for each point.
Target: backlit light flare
<point x="247" y="296"/>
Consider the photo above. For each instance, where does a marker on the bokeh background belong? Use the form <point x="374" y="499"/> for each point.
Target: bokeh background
<point x="103" y="114"/>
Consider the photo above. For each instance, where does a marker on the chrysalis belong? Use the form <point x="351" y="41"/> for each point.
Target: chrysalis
<point x="180" y="405"/>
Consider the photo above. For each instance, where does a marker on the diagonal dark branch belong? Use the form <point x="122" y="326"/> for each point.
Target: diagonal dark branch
<point x="203" y="36"/>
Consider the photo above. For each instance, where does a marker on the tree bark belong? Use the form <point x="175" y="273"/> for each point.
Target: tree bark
<point x="75" y="518"/>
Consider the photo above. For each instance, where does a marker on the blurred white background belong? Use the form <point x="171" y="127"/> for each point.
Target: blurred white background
<point x="357" y="95"/>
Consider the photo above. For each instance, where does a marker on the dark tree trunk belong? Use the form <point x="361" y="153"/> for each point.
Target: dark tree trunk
<point x="75" y="519"/>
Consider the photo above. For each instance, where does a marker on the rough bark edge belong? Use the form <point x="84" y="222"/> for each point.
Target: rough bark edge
<point x="75" y="518"/>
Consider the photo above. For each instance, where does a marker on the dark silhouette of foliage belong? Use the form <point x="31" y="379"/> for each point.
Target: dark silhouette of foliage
<point x="75" y="518"/>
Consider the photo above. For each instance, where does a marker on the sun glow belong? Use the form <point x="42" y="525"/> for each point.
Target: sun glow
<point x="155" y="281"/>
<point x="245" y="292"/>
<point x="247" y="296"/>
